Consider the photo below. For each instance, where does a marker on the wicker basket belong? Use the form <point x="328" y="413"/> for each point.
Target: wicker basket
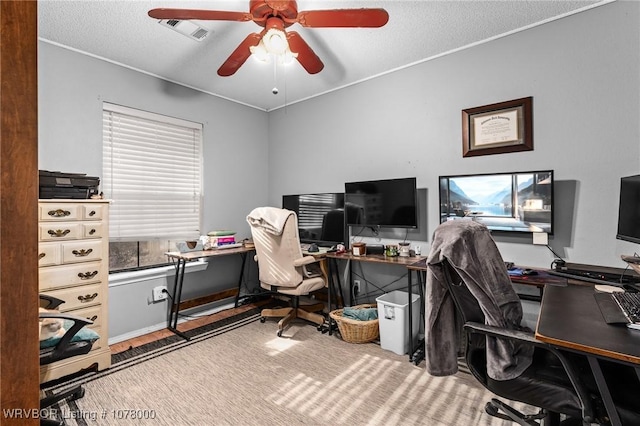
<point x="356" y="331"/>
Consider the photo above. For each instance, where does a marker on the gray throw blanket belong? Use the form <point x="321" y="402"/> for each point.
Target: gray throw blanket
<point x="472" y="252"/>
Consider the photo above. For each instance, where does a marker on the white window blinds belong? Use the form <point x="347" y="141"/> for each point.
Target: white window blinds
<point x="152" y="173"/>
<point x="313" y="208"/>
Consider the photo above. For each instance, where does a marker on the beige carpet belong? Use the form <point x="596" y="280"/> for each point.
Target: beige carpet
<point x="249" y="376"/>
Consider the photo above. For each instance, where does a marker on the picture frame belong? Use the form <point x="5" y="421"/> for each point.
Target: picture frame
<point x="498" y="128"/>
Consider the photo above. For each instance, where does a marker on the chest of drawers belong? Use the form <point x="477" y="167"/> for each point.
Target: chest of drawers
<point x="73" y="265"/>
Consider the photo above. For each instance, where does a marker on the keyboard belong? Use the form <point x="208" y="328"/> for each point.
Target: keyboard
<point x="629" y="304"/>
<point x="620" y="308"/>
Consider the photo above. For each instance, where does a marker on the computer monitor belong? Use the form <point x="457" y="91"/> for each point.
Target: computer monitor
<point x="505" y="202"/>
<point x="320" y="217"/>
<point x="385" y="203"/>
<point x="629" y="209"/>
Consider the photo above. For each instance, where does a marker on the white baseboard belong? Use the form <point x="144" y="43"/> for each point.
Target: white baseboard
<point x="161" y="326"/>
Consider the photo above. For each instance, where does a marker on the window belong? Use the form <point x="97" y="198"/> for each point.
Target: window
<point x="152" y="174"/>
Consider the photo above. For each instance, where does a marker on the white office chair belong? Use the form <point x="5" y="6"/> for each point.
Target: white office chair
<point x="282" y="266"/>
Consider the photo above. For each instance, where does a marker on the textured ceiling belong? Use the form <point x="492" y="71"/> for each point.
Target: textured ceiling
<point x="121" y="32"/>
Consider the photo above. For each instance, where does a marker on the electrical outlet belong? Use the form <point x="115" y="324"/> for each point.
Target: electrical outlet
<point x="160" y="293"/>
<point x="356" y="287"/>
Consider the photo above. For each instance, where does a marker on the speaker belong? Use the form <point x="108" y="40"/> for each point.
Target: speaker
<point x="375" y="249"/>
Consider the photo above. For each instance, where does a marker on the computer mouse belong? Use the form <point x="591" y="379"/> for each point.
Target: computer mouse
<point x="313" y="248"/>
<point x="529" y="272"/>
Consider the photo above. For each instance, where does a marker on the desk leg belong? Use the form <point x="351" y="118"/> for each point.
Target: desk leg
<point x="332" y="293"/>
<point x="244" y="261"/>
<point x="333" y="267"/>
<point x="409" y="296"/>
<point x="176" y="298"/>
<point x="417" y="353"/>
<point x="604" y="391"/>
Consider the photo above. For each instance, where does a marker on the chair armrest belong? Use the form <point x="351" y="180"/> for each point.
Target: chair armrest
<point x="65" y="341"/>
<point x="305" y="260"/>
<point x="51" y="302"/>
<point x="529" y="337"/>
<point x="490" y="330"/>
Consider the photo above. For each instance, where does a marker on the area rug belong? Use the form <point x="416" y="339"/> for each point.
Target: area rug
<point x="246" y="375"/>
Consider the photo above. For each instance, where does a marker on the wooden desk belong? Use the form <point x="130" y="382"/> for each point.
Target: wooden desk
<point x="180" y="260"/>
<point x="570" y="319"/>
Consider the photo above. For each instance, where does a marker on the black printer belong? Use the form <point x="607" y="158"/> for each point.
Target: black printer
<point x="67" y="185"/>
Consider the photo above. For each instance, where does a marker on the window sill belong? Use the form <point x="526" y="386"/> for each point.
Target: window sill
<point x="126" y="278"/>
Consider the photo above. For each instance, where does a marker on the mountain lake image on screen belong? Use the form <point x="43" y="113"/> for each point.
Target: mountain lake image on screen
<point x="510" y="202"/>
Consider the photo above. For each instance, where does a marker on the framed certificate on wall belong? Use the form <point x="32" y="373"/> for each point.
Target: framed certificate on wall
<point x="498" y="128"/>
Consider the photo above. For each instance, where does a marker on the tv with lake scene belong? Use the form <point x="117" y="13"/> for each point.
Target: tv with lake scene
<point x="509" y="202"/>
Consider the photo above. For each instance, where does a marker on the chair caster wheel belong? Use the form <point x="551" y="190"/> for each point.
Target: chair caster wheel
<point x="279" y="333"/>
<point x="262" y="319"/>
<point x="491" y="409"/>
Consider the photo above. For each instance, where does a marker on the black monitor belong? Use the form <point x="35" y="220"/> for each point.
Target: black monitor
<point x="387" y="203"/>
<point x="509" y="202"/>
<point x="629" y="209"/>
<point x="320" y="217"/>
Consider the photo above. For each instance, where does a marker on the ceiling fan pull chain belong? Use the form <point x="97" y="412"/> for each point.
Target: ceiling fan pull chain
<point x="275" y="77"/>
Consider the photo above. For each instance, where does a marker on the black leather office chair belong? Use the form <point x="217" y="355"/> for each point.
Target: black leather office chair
<point x="486" y="304"/>
<point x="77" y="340"/>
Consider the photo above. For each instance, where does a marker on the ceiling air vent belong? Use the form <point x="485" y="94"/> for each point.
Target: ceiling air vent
<point x="186" y="28"/>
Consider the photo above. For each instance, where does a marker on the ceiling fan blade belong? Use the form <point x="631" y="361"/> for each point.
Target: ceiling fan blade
<point x="306" y="56"/>
<point x="239" y="56"/>
<point x="369" y="18"/>
<point x="204" y="15"/>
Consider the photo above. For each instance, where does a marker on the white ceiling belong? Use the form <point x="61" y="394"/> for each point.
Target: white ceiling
<point x="121" y="32"/>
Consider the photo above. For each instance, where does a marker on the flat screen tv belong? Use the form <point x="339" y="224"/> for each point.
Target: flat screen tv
<point x="629" y="209"/>
<point x="510" y="202"/>
<point x="320" y="217"/>
<point x="387" y="203"/>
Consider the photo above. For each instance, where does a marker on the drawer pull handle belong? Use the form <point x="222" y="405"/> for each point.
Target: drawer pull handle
<point x="58" y="232"/>
<point x="93" y="318"/>
<point x="87" y="298"/>
<point x="92" y="213"/>
<point x="82" y="252"/>
<point x="41" y="255"/>
<point x="93" y="231"/>
<point x="59" y="213"/>
<point x="87" y="275"/>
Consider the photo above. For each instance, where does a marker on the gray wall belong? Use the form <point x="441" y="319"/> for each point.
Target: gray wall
<point x="582" y="71"/>
<point x="71" y="89"/>
<point x="583" y="74"/>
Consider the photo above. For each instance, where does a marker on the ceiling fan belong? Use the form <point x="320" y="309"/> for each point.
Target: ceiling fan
<point x="275" y="16"/>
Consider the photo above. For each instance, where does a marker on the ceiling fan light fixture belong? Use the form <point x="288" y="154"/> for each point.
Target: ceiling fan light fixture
<point x="287" y="57"/>
<point x="260" y="52"/>
<point x="275" y="41"/>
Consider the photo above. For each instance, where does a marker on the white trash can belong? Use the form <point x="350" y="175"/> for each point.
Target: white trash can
<point x="393" y="319"/>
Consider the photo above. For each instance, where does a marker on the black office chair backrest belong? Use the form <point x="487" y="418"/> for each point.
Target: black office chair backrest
<point x="333" y="226"/>
<point x="472" y="345"/>
<point x="467" y="306"/>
